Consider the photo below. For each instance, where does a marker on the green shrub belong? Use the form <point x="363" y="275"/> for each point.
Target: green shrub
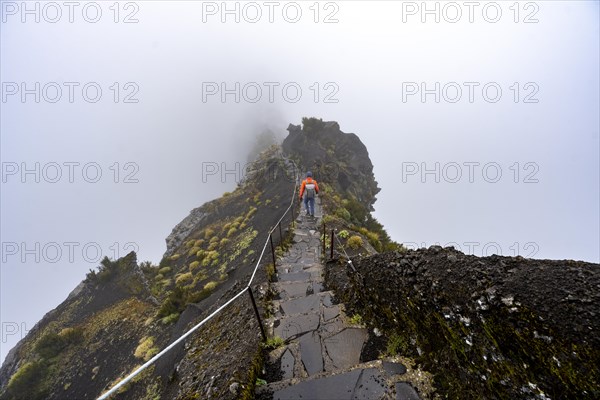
<point x="27" y="382"/>
<point x="146" y="349"/>
<point x="223" y="242"/>
<point x="71" y="335"/>
<point x="194" y="265"/>
<point x="396" y="345"/>
<point x="198" y="296"/>
<point x="199" y="243"/>
<point x="169" y="319"/>
<point x="183" y="278"/>
<point x="193" y="251"/>
<point x="356" y="319"/>
<point x="164" y="270"/>
<point x="175" y="257"/>
<point x="189" y="243"/>
<point x="173" y="303"/>
<point x="208" y="233"/>
<point x="343" y="213"/>
<point x="165" y="282"/>
<point x="51" y="344"/>
<point x="210" y="286"/>
<point x="251" y="212"/>
<point x="231" y="232"/>
<point x="213" y="246"/>
<point x="343" y="234"/>
<point x="354" y="242"/>
<point x="200" y="254"/>
<point x="273" y="343"/>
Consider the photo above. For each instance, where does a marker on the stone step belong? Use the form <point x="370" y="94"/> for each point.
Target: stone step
<point x="359" y="383"/>
<point x="371" y="380"/>
<point x="294" y="277"/>
<point x="293" y="326"/>
<point x="313" y="303"/>
<point x="297" y="267"/>
<point x="301" y="305"/>
<point x="291" y="290"/>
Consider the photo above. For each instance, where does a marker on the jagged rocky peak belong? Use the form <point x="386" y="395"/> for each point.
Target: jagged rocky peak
<point x="335" y="157"/>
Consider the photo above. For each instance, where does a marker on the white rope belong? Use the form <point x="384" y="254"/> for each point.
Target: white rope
<point x="114" y="389"/>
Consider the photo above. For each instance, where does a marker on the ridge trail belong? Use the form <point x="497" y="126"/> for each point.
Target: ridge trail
<point x="321" y="356"/>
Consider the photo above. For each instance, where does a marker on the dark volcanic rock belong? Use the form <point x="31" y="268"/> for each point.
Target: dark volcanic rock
<point x="335" y="157"/>
<point x="493" y="327"/>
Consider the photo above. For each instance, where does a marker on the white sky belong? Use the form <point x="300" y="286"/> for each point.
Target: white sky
<point x="368" y="57"/>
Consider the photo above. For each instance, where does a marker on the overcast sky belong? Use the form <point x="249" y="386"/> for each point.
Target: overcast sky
<point x="482" y="125"/>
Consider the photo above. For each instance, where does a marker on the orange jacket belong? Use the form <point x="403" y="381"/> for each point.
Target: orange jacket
<point x="303" y="186"/>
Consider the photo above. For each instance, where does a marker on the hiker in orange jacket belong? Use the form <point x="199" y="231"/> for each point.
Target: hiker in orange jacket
<point x="311" y="189"/>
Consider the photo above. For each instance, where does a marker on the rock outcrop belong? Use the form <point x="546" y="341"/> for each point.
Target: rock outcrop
<point x="486" y="327"/>
<point x="336" y="158"/>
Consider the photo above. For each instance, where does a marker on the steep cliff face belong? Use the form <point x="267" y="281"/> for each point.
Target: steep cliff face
<point x="338" y="159"/>
<point x="341" y="165"/>
<point x="124" y="313"/>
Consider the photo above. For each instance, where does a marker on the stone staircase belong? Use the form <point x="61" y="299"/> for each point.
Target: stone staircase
<point x="321" y="355"/>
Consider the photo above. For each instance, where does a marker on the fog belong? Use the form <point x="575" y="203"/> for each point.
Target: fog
<point x="482" y="126"/>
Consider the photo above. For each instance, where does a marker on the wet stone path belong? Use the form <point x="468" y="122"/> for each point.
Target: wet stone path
<point x="321" y="355"/>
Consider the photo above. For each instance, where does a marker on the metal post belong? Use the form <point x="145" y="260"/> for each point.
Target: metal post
<point x="324" y="241"/>
<point x="331" y="256"/>
<point x="262" y="329"/>
<point x="280" y="235"/>
<point x="272" y="249"/>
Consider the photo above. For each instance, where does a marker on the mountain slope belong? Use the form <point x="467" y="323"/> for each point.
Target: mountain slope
<point x="124" y="313"/>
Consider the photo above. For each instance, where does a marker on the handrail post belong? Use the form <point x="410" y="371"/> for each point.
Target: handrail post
<point x="272" y="249"/>
<point x="260" y="324"/>
<point x="324" y="241"/>
<point x="280" y="235"/>
<point x="331" y="255"/>
<point x="292" y="208"/>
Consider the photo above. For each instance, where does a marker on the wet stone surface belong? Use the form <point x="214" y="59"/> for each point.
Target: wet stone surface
<point x="287" y="364"/>
<point x="344" y="348"/>
<point x="323" y="352"/>
<point x="311" y="353"/>
<point x="370" y="385"/>
<point x="294" y="326"/>
<point x="291" y="290"/>
<point x="393" y="368"/>
<point x="294" y="276"/>
<point x="335" y="387"/>
<point x="404" y="391"/>
<point x="301" y="305"/>
<point x="330" y="313"/>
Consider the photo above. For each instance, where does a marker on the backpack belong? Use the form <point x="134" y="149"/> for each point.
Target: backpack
<point x="310" y="190"/>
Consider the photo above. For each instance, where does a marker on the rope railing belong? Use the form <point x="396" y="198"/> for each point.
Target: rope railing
<point x="248" y="289"/>
<point x="334" y="236"/>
